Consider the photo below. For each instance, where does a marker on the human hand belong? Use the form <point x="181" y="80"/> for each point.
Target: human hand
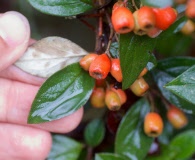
<point x="19" y="140"/>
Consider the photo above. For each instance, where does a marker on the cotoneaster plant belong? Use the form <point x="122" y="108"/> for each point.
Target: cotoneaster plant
<point x="142" y="65"/>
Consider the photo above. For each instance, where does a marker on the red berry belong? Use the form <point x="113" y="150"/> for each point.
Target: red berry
<point x="100" y="67"/>
<point x="165" y="17"/>
<point x="122" y="20"/>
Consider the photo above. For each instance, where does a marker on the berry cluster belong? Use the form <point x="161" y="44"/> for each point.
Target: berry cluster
<point x="144" y="21"/>
<point x="189" y="26"/>
<point x="107" y="95"/>
<point x="153" y="123"/>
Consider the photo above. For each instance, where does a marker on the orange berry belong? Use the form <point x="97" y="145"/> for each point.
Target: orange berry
<point x="97" y="98"/>
<point x="116" y="69"/>
<point x="112" y="100"/>
<point x="122" y="20"/>
<point x="144" y="20"/>
<point x="143" y="72"/>
<point x="177" y="117"/>
<point x="165" y="17"/>
<point x="100" y="67"/>
<point x="139" y="87"/>
<point x="153" y="124"/>
<point x="85" y="62"/>
<point x="122" y="95"/>
<point x="190" y="9"/>
<point x="188" y="28"/>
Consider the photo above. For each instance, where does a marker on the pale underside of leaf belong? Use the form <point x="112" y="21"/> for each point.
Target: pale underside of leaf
<point x="49" y="55"/>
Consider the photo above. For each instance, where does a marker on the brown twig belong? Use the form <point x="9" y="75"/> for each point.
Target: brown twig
<point x="89" y="153"/>
<point x="134" y="5"/>
<point x="111" y="34"/>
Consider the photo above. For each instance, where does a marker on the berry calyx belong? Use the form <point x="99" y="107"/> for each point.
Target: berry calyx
<point x="177" y="117"/>
<point x="85" y="62"/>
<point x="164" y="17"/>
<point x="122" y="20"/>
<point x="116" y="69"/>
<point x="100" y="67"/>
<point x="144" y="20"/>
<point x="153" y="124"/>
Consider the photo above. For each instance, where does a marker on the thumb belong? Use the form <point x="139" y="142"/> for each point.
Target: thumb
<point x="14" y="37"/>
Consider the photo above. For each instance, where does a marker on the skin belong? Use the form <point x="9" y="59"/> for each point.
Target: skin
<point x="20" y="140"/>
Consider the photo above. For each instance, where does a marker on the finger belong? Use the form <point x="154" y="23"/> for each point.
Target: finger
<point x="15" y="103"/>
<point x="23" y="143"/>
<point x="16" y="74"/>
<point x="14" y="37"/>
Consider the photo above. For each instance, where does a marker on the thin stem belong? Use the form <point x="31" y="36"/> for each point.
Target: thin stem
<point x="110" y="36"/>
<point x="134" y="5"/>
<point x="89" y="153"/>
<point x="87" y="24"/>
<point x="151" y="100"/>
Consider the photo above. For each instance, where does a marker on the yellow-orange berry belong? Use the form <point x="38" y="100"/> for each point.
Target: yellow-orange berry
<point x="139" y="87"/>
<point x="85" y="62"/>
<point x="153" y="124"/>
<point x="121" y="93"/>
<point x="97" y="98"/>
<point x="112" y="100"/>
<point x="144" y="20"/>
<point x="116" y="69"/>
<point x="188" y="28"/>
<point x="176" y="117"/>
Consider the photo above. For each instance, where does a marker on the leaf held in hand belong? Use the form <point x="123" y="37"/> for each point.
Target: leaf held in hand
<point x="48" y="55"/>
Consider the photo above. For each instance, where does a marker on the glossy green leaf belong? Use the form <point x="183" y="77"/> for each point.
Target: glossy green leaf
<point x="183" y="86"/>
<point x="62" y="94"/>
<point x="61" y="7"/>
<point x="108" y="156"/>
<point x="158" y="3"/>
<point x="94" y="132"/>
<point x="166" y="71"/>
<point x="64" y="148"/>
<point x="181" y="147"/>
<point x="185" y="144"/>
<point x="131" y="141"/>
<point x="134" y="55"/>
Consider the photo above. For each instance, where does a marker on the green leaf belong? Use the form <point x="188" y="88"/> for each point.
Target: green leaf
<point x="114" y="50"/>
<point x="131" y="141"/>
<point x="181" y="147"/>
<point x="94" y="132"/>
<point x="185" y="144"/>
<point x="166" y="71"/>
<point x="62" y="94"/>
<point x="134" y="56"/>
<point x="183" y="86"/>
<point x="157" y="3"/>
<point x="61" y="7"/>
<point x="108" y="156"/>
<point x="64" y="148"/>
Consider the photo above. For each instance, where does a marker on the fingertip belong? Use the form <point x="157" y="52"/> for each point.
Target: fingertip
<point x="21" y="142"/>
<point x="14" y="28"/>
